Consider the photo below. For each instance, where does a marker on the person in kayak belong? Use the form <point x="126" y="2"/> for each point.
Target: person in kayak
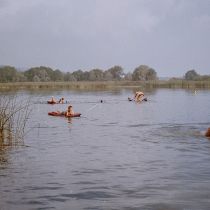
<point x="61" y="101"/>
<point x="138" y="96"/>
<point x="52" y="100"/>
<point x="69" y="112"/>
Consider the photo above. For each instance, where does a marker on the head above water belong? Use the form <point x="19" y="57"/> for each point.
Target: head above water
<point x="139" y="93"/>
<point x="207" y="134"/>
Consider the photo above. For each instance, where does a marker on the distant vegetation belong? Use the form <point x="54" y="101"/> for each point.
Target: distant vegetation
<point x="115" y="73"/>
<point x="142" y="76"/>
<point x="194" y="76"/>
<point x="46" y="74"/>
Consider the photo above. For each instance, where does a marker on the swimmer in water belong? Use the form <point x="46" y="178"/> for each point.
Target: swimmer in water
<point x="207" y="134"/>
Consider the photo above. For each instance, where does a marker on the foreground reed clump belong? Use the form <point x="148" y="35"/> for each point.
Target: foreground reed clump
<point x="14" y="114"/>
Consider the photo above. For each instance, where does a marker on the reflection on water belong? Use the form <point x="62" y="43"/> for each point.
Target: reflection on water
<point x="3" y="157"/>
<point x="117" y="155"/>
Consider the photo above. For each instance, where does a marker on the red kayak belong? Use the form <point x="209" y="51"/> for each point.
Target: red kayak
<point x="61" y="114"/>
<point x="51" y="102"/>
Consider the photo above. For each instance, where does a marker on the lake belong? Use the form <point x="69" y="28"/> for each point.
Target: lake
<point x="117" y="155"/>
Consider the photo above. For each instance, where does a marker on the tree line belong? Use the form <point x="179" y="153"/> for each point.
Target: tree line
<point x="115" y="73"/>
<point x="46" y="74"/>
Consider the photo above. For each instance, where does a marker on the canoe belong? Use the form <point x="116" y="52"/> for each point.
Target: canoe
<point x="61" y="114"/>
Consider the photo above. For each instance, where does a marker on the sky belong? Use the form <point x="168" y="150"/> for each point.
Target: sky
<point x="170" y="36"/>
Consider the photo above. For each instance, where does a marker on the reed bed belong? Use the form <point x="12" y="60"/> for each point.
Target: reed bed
<point x="101" y="85"/>
<point x="14" y="114"/>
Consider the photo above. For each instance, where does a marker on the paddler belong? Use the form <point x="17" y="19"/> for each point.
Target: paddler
<point x="138" y="96"/>
<point x="69" y="112"/>
<point x="61" y="101"/>
<point x="52" y="100"/>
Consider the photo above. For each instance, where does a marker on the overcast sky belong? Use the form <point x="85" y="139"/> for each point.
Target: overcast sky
<point x="171" y="36"/>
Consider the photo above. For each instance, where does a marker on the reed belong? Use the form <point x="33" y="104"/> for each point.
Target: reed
<point x="101" y="85"/>
<point x="13" y="118"/>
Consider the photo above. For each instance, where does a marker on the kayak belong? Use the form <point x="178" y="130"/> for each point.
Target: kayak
<point x="51" y="102"/>
<point x="144" y="99"/>
<point x="129" y="99"/>
<point x="61" y="114"/>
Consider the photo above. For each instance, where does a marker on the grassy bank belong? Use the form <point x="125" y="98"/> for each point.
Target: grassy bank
<point x="106" y="85"/>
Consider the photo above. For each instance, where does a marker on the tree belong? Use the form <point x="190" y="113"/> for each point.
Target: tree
<point x="78" y="75"/>
<point x="85" y="76"/>
<point x="116" y="72"/>
<point x="20" y="77"/>
<point x="96" y="75"/>
<point x="57" y="75"/>
<point x="69" y="77"/>
<point x="44" y="73"/>
<point x="205" y="77"/>
<point x="144" y="73"/>
<point x="151" y="74"/>
<point x="108" y="76"/>
<point x="8" y="74"/>
<point x="128" y="76"/>
<point x="36" y="79"/>
<point x="191" y="75"/>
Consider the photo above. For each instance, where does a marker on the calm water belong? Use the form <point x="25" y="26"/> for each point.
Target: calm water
<point x="118" y="155"/>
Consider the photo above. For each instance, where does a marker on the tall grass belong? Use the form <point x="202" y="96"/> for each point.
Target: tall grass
<point x="13" y="118"/>
<point x="99" y="85"/>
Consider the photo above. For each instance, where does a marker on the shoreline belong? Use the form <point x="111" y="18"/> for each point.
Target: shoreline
<point x="103" y="85"/>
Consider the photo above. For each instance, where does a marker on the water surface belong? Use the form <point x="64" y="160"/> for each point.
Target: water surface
<point x="118" y="155"/>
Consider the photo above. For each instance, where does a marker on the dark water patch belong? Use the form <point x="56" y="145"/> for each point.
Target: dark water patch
<point x="55" y="183"/>
<point x="89" y="195"/>
<point x="84" y="183"/>
<point x="29" y="202"/>
<point x="40" y="188"/>
<point x="163" y="206"/>
<point x="101" y="187"/>
<point x="95" y="208"/>
<point x="138" y="125"/>
<point x="35" y="202"/>
<point x="54" y="199"/>
<point x="111" y="124"/>
<point x="134" y="137"/>
<point x="89" y="171"/>
<point x="47" y="126"/>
